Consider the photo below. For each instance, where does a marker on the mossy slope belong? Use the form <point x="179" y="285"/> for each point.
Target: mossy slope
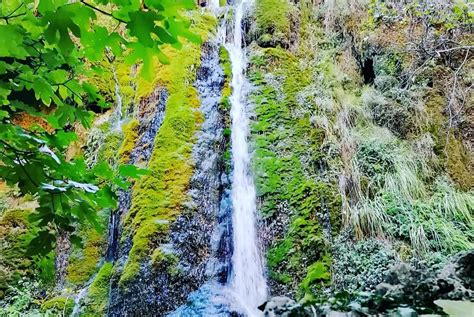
<point x="157" y="198"/>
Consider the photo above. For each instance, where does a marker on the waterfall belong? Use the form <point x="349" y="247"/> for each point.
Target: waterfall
<point x="248" y="281"/>
<point x="214" y="4"/>
<point x="116" y="118"/>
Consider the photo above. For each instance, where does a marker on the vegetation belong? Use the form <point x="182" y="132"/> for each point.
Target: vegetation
<point x="375" y="146"/>
<point x="286" y="160"/>
<point x="360" y="140"/>
<point x="157" y="197"/>
<point x="43" y="94"/>
<point x="131" y="134"/>
<point x="273" y="22"/>
<point x="97" y="297"/>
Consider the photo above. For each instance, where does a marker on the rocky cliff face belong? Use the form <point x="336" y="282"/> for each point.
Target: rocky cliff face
<point x="361" y="146"/>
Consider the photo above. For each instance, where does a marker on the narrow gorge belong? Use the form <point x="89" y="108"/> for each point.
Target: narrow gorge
<point x="302" y="158"/>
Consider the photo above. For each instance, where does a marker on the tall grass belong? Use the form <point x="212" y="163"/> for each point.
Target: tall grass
<point x="404" y="207"/>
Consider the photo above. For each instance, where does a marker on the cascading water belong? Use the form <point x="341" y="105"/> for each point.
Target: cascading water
<point x="214" y="4"/>
<point x="248" y="282"/>
<point x="116" y="118"/>
<point x="244" y="289"/>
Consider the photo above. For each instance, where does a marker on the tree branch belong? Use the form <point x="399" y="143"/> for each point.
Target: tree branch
<point x="102" y="11"/>
<point x="467" y="47"/>
<point x="11" y="14"/>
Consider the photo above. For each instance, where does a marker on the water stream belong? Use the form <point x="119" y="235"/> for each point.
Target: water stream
<point x="116" y="119"/>
<point x="248" y="282"/>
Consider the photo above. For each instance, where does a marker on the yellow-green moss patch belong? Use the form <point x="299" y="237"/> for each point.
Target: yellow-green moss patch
<point x="95" y="304"/>
<point x="157" y="197"/>
<point x="130" y="136"/>
<point x="58" y="306"/>
<point x="83" y="263"/>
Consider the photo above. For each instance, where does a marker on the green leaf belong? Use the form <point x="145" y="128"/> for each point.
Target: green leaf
<point x="45" y="6"/>
<point x="4" y="114"/>
<point x="142" y="25"/>
<point x="132" y="171"/>
<point x="11" y="42"/>
<point x="72" y="18"/>
<point x="43" y="90"/>
<point x="42" y="244"/>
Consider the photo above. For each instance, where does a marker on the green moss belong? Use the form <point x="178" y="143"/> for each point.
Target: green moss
<point x="226" y="89"/>
<point x="452" y="152"/>
<point x="288" y="148"/>
<point x="83" y="261"/>
<point x="272" y="18"/>
<point x="14" y="227"/>
<point x="102" y="77"/>
<point x="162" y="260"/>
<point x="277" y="254"/>
<point x="58" y="306"/>
<point x="157" y="197"/>
<point x="109" y="149"/>
<point x="95" y="303"/>
<point x="130" y="136"/>
<point x="458" y="163"/>
<point x="318" y="274"/>
<point x="225" y="106"/>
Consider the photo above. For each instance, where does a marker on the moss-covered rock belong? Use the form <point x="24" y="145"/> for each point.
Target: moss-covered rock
<point x="83" y="261"/>
<point x="274" y="23"/>
<point x="130" y="136"/>
<point x="448" y="147"/>
<point x="108" y="150"/>
<point x="58" y="306"/>
<point x="13" y="230"/>
<point x="95" y="303"/>
<point x="157" y="198"/>
<point x="287" y="150"/>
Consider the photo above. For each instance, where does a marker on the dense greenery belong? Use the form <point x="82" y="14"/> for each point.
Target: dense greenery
<point x="47" y="50"/>
<point x="359" y="131"/>
<point x="338" y="134"/>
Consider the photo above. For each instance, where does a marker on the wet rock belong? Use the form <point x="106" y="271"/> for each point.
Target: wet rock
<point x="284" y="307"/>
<point x="209" y="300"/>
<point x="198" y="248"/>
<point x="420" y="286"/>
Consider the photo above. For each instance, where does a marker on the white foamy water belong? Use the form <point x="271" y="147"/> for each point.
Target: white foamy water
<point x="248" y="283"/>
<point x="116" y="118"/>
<point x="214" y="4"/>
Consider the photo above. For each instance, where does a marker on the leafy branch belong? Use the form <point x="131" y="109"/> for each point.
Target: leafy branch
<point x="46" y="48"/>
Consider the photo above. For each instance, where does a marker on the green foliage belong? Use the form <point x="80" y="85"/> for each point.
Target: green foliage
<point x="58" y="306"/>
<point x="360" y="265"/>
<point x="22" y="300"/>
<point x="95" y="303"/>
<point x="45" y="50"/>
<point x="318" y="272"/>
<point x="400" y="205"/>
<point x="273" y="22"/>
<point x="287" y="150"/>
